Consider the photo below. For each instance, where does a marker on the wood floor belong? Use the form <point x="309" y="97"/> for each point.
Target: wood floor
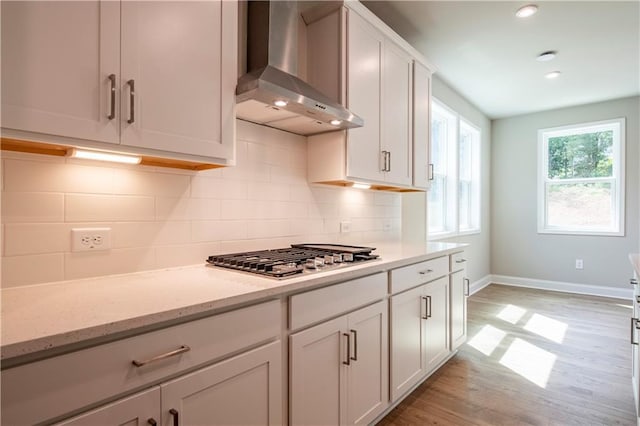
<point x="532" y="357"/>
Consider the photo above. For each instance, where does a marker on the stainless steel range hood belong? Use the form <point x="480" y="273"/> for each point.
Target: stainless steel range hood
<point x="271" y="93"/>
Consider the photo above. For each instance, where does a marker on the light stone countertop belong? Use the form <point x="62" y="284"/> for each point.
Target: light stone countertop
<point x="48" y="316"/>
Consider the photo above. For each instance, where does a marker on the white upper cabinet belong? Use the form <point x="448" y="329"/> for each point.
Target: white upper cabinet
<point x="57" y="58"/>
<point x="155" y="78"/>
<point x="377" y="70"/>
<point x="422" y="172"/>
<point x="365" y="47"/>
<point x="396" y="114"/>
<point x="179" y="76"/>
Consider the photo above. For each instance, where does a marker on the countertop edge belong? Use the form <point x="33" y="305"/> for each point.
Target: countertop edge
<point x="50" y="345"/>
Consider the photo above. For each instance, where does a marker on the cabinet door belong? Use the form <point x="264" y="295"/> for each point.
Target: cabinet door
<point x="436" y="325"/>
<point x="368" y="372"/>
<point x="364" y="68"/>
<point x="56" y="61"/>
<point x="244" y="390"/>
<point x="317" y="395"/>
<point x="635" y="352"/>
<point x="458" y="309"/>
<point x="407" y="355"/>
<point x="137" y="410"/>
<point x="396" y="114"/>
<point x="181" y="59"/>
<point x="421" y="125"/>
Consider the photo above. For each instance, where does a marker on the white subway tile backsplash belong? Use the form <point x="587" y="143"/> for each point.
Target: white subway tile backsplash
<point x="131" y="182"/>
<point x="218" y="230"/>
<point x="25" y="207"/>
<point x="188" y="254"/>
<point x="36" y="176"/>
<point x="35" y="238"/>
<point x="91" y="208"/>
<point x="268" y="191"/>
<point x="33" y="269"/>
<point x="222" y="189"/>
<point x="115" y="261"/>
<point x="165" y="218"/>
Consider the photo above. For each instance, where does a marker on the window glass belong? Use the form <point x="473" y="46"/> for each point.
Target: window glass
<point x="454" y="196"/>
<point x="581" y="179"/>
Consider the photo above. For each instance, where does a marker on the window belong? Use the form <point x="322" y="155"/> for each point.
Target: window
<point x="454" y="197"/>
<point x="581" y="179"/>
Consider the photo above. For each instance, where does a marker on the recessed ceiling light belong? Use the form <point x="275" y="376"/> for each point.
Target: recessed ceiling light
<point x="553" y="74"/>
<point x="280" y="103"/>
<point x="547" y="56"/>
<point x="526" y="11"/>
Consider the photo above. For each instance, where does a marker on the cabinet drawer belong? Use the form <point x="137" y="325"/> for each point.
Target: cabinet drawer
<point x="52" y="387"/>
<point x="458" y="261"/>
<point x="317" y="305"/>
<point x="410" y="276"/>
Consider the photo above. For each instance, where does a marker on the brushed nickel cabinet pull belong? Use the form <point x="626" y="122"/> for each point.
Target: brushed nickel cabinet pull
<point x="355" y="345"/>
<point x="638" y="299"/>
<point x="430" y="173"/>
<point x="384" y="161"/>
<point x="389" y="161"/>
<point x="461" y="260"/>
<point x="633" y="281"/>
<point x="467" y="289"/>
<point x="425" y="272"/>
<point x="426" y="307"/>
<point x="175" y="415"/>
<point x="180" y="350"/>
<point x="152" y="422"/>
<point x="633" y="322"/>
<point x="348" y="361"/>
<point x="132" y="95"/>
<point x="429" y="306"/>
<point x="112" y="97"/>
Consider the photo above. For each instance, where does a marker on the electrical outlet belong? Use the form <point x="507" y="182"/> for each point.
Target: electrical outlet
<point x="386" y="225"/>
<point x="579" y="264"/>
<point x="90" y="239"/>
<point x="345" y="227"/>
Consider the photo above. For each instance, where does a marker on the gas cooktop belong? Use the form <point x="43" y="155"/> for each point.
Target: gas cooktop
<point x="298" y="259"/>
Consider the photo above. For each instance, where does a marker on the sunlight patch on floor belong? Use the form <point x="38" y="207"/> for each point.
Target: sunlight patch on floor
<point x="549" y="328"/>
<point x="529" y="361"/>
<point x="487" y="339"/>
<point x="511" y="314"/>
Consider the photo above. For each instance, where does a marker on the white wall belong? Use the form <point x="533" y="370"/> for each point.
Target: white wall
<point x="516" y="247"/>
<point x="163" y="217"/>
<point x="479" y="252"/>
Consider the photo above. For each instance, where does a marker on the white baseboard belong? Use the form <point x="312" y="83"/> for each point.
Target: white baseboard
<point x="480" y="284"/>
<point x="594" y="290"/>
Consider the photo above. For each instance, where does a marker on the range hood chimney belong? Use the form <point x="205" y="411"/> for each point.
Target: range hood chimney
<point x="271" y="93"/>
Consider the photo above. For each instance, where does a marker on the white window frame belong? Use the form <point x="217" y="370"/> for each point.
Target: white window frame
<point x="452" y="198"/>
<point x="618" y="176"/>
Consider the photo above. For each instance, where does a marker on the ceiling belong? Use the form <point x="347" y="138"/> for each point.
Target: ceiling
<point x="488" y="55"/>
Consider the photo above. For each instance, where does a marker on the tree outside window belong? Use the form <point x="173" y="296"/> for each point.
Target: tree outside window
<point x="581" y="179"/>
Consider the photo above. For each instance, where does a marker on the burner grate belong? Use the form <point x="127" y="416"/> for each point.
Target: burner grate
<point x="297" y="259"/>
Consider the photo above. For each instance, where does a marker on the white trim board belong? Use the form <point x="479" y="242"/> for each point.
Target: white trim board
<point x="593" y="290"/>
<point x="480" y="284"/>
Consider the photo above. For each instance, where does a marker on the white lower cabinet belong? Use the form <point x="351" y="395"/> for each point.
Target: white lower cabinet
<point x="139" y="409"/>
<point x="243" y="390"/>
<point x="339" y="369"/>
<point x="419" y="334"/>
<point x="459" y="293"/>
